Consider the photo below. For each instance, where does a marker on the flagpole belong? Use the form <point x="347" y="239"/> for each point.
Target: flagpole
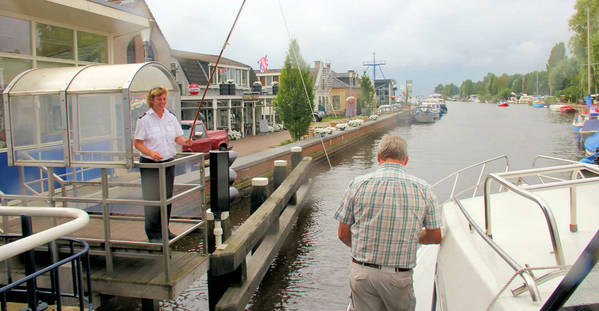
<point x="214" y="69"/>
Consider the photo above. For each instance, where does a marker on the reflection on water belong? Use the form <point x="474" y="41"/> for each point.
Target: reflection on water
<point x="312" y="268"/>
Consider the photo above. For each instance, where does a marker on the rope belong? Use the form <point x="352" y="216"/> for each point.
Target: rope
<point x="214" y="70"/>
<point x="302" y="78"/>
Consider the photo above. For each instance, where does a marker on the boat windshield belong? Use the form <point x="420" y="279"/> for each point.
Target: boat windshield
<point x="578" y="289"/>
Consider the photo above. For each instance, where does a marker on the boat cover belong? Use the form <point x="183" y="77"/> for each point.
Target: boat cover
<point x="590" y="125"/>
<point x="591" y="143"/>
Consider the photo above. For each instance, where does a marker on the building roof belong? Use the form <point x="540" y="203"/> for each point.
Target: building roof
<point x="269" y="72"/>
<point x="195" y="71"/>
<point x="209" y="59"/>
<point x="195" y="66"/>
<point x="381" y="82"/>
<point x="337" y="83"/>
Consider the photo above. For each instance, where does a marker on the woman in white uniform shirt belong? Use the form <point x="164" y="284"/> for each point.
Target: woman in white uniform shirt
<point x="156" y="133"/>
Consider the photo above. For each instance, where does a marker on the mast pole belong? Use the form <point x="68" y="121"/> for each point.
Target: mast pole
<point x="588" y="49"/>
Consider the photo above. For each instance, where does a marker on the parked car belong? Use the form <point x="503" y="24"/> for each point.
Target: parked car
<point x="204" y="140"/>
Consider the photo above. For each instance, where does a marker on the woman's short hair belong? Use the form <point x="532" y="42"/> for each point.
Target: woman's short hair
<point x="155" y="92"/>
<point x="393" y="147"/>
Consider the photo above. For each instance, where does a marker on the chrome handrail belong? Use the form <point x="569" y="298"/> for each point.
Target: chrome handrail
<point x="524" y="191"/>
<point x="457" y="174"/>
<point x="520" y="270"/>
<point x="549" y="218"/>
<point x="575" y="170"/>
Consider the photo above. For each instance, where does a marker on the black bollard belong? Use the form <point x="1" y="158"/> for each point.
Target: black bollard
<point x="279" y="174"/>
<point x="296" y="158"/>
<point x="259" y="194"/>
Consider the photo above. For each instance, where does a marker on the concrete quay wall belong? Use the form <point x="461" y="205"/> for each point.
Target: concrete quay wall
<point x="261" y="164"/>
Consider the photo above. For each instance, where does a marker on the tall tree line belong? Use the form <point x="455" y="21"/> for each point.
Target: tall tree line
<point x="565" y="73"/>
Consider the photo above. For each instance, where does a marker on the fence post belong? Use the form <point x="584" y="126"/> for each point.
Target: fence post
<point x="29" y="258"/>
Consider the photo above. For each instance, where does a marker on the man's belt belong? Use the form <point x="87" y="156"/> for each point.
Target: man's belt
<point x="373" y="265"/>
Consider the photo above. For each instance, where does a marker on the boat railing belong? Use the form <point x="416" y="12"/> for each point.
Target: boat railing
<point x="553" y="160"/>
<point x="577" y="178"/>
<point x="27" y="242"/>
<point x="457" y="175"/>
<point x="525" y="191"/>
<point x="519" y="269"/>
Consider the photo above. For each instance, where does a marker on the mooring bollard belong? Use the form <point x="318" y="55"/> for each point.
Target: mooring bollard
<point x="296" y="158"/>
<point x="258" y="195"/>
<point x="279" y="174"/>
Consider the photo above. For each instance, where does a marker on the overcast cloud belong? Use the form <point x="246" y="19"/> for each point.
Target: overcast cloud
<point x="427" y="41"/>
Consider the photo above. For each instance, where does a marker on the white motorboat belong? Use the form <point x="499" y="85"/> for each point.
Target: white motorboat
<point x="426" y="113"/>
<point x="556" y="107"/>
<point x="513" y="239"/>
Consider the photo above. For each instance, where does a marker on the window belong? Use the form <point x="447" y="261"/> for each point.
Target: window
<point x="41" y="64"/>
<point x="336" y="102"/>
<point x="53" y="41"/>
<point x="14" y="36"/>
<point x="131" y="52"/>
<point x="91" y="47"/>
<point x="10" y="67"/>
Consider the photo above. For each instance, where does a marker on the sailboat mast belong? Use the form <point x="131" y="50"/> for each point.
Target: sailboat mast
<point x="589" y="49"/>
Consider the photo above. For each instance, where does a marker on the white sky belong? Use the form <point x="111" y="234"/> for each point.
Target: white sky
<point x="427" y="41"/>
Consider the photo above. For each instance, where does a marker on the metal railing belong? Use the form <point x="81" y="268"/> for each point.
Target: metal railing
<point x="104" y="200"/>
<point x="525" y="191"/>
<point x="574" y="170"/>
<point x="457" y="174"/>
<point x="27" y="242"/>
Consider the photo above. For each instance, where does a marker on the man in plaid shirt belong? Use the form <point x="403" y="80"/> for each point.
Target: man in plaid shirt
<point x="383" y="217"/>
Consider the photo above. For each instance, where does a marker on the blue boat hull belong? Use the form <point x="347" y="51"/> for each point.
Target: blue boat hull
<point x="591" y="143"/>
<point x="590" y="159"/>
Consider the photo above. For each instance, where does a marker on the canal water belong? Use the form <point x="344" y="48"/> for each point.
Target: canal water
<point x="312" y="269"/>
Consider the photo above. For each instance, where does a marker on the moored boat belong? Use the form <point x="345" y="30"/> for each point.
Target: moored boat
<point x="512" y="240"/>
<point x="592" y="159"/>
<point x="556" y="107"/>
<point x="591" y="144"/>
<point x="502" y="104"/>
<point x="567" y="109"/>
<point x="424" y="113"/>
<point x="539" y="105"/>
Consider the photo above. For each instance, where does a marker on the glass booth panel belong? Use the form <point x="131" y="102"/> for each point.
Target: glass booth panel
<point x="97" y="128"/>
<point x="139" y="107"/>
<point x="37" y="128"/>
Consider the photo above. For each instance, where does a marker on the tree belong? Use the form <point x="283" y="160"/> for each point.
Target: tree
<point x="557" y="56"/>
<point x="563" y="73"/>
<point x="466" y="89"/>
<point x="505" y="93"/>
<point x="450" y="90"/>
<point x="439" y="88"/>
<point x="295" y="97"/>
<point x="366" y="93"/>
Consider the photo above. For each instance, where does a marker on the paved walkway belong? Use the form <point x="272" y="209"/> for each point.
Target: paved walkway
<point x="258" y="143"/>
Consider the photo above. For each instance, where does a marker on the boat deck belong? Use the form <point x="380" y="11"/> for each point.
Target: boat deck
<point x="520" y="229"/>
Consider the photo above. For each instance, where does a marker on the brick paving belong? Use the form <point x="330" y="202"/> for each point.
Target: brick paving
<point x="258" y="143"/>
